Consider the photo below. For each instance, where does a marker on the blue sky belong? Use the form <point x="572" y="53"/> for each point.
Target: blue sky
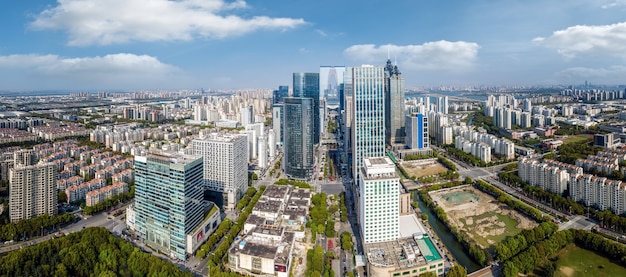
<point x="236" y="44"/>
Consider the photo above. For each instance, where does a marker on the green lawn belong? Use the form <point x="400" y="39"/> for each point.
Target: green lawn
<point x="578" y="139"/>
<point x="575" y="261"/>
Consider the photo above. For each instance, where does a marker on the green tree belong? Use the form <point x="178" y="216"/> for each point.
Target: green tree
<point x="457" y="271"/>
<point x="428" y="274"/>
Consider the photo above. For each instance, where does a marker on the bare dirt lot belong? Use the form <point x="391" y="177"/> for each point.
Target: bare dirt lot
<point x="420" y="168"/>
<point x="480" y="215"/>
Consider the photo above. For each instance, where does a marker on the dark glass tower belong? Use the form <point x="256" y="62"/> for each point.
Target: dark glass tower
<point x="298" y="137"/>
<point x="308" y="85"/>
<point x="280" y="94"/>
<point x="394" y="105"/>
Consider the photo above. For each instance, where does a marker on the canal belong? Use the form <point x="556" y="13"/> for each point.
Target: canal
<point x="457" y="250"/>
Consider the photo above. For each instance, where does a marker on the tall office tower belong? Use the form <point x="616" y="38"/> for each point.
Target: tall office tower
<point x="307" y="85"/>
<point x="379" y="204"/>
<point x="247" y="115"/>
<point x="330" y="80"/>
<point x="394" y="105"/>
<point x="169" y="202"/>
<point x="342" y="98"/>
<point x="32" y="189"/>
<point x="279" y="94"/>
<point x="225" y="166"/>
<point x="277" y="123"/>
<point x="166" y="111"/>
<point x="528" y="105"/>
<point x="368" y="129"/>
<point x="416" y="131"/>
<point x="299" y="121"/>
<point x="262" y="156"/>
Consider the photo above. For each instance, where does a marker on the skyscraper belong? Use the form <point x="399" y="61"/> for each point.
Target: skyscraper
<point x="169" y="207"/>
<point x="368" y="130"/>
<point x="277" y="123"/>
<point x="298" y="123"/>
<point x="279" y="94"/>
<point x="32" y="188"/>
<point x="225" y="170"/>
<point x="307" y="85"/>
<point x="331" y="78"/>
<point x="394" y="105"/>
<point x="379" y="204"/>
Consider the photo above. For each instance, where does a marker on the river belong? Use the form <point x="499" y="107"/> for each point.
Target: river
<point x="447" y="238"/>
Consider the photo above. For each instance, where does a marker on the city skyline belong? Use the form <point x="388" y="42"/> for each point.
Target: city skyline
<point x="216" y="44"/>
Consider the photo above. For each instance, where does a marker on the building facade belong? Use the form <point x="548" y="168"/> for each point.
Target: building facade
<point x="380" y="200"/>
<point x="416" y="131"/>
<point x="32" y="191"/>
<point x="307" y="85"/>
<point x="169" y="202"/>
<point x="225" y="166"/>
<point x="299" y="137"/>
<point x="394" y="105"/>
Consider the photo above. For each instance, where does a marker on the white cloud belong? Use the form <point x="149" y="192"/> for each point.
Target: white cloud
<point x="115" y="70"/>
<point x="321" y="33"/>
<point x="581" y="39"/>
<point x="118" y="21"/>
<point x="436" y="55"/>
<point x="613" y="4"/>
<point x="610" y="75"/>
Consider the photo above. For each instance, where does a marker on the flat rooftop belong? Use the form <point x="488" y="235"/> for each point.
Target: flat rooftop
<point x="410" y="226"/>
<point x="402" y="253"/>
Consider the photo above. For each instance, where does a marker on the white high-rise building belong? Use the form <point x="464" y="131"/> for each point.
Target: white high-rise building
<point x="380" y="200"/>
<point x="271" y="144"/>
<point x="225" y="165"/>
<point x="262" y="156"/>
<point x="32" y="191"/>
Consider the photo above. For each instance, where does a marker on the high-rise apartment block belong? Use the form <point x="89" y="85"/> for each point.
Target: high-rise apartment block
<point x="32" y="188"/>
<point x="170" y="214"/>
<point x="394" y="105"/>
<point x="380" y="200"/>
<point x="225" y="169"/>
<point x="298" y="138"/>
<point x="308" y="85"/>
<point x="417" y="131"/>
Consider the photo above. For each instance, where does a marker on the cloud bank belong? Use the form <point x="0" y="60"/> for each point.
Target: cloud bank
<point x="438" y="55"/>
<point x="106" y="22"/>
<point x="588" y="40"/>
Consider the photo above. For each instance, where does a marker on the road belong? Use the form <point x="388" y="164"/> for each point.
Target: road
<point x="113" y="224"/>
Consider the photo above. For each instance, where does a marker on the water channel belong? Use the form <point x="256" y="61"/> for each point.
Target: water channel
<point x="447" y="238"/>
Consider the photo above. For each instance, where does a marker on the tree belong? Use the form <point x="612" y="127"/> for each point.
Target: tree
<point x="428" y="274"/>
<point x="457" y="271"/>
<point x="62" y="197"/>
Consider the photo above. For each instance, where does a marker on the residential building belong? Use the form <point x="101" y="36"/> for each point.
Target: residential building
<point x="225" y="166"/>
<point x="416" y="131"/>
<point x="32" y="190"/>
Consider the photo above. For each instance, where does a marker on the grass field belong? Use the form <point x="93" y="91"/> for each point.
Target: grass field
<point x="414" y="169"/>
<point x="575" y="261"/>
<point x="578" y="139"/>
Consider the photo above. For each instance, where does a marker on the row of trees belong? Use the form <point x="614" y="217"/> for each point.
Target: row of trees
<point x="90" y="252"/>
<point x="528" y="237"/>
<point x="246" y="198"/>
<point x="411" y="157"/>
<point x="610" y="249"/>
<point x="342" y="206"/>
<point x="506" y="199"/>
<point x="214" y="238"/>
<point x="298" y="184"/>
<point x="606" y="218"/>
<point x="478" y="254"/>
<point x="536" y="254"/>
<point x="346" y="241"/>
<point x="447" y="163"/>
<point x="215" y="263"/>
<point x="570" y="152"/>
<point x="28" y="228"/>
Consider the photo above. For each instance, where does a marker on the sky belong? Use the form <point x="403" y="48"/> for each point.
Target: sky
<point x="235" y="44"/>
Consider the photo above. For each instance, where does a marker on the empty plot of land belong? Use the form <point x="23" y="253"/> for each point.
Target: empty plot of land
<point x="420" y="168"/>
<point x="480" y="215"/>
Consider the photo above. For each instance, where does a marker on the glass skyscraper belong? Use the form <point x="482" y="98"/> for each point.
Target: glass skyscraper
<point x="308" y="85"/>
<point x="394" y="105"/>
<point x="368" y="135"/>
<point x="168" y="201"/>
<point x="298" y="122"/>
<point x="279" y="94"/>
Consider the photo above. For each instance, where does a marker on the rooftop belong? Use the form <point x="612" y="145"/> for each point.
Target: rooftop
<point x="402" y="253"/>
